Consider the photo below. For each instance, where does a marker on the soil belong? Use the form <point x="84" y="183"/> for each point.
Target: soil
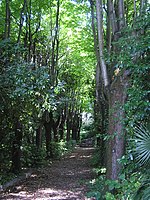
<point x="65" y="179"/>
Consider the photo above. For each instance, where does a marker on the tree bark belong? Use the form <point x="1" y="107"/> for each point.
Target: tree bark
<point x="29" y="32"/>
<point x="75" y="126"/>
<point x="121" y="14"/>
<point x="117" y="90"/>
<point x="39" y="136"/>
<point x="62" y="124"/>
<point x="79" y="126"/>
<point x="100" y="102"/>
<point x="21" y="20"/>
<point x="7" y="20"/>
<point x="99" y="11"/>
<point x="16" y="148"/>
<point x="55" y="48"/>
<point x="115" y="146"/>
<point x="112" y="17"/>
<point x="135" y="11"/>
<point x="48" y="137"/>
<point x="47" y="118"/>
<point x="142" y="4"/>
<point x="108" y="30"/>
<point x="68" y="125"/>
<point x="55" y="128"/>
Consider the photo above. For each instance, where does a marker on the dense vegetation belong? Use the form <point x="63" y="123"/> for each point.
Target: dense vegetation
<point x="60" y="59"/>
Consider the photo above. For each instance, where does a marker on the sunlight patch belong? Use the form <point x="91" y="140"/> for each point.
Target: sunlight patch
<point x="52" y="194"/>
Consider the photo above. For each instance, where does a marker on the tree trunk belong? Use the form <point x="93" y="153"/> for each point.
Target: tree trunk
<point x="99" y="11"/>
<point x="143" y="5"/>
<point x="108" y="30"/>
<point x="115" y="146"/>
<point x="29" y="33"/>
<point x="135" y="11"/>
<point x="68" y="124"/>
<point x="48" y="137"/>
<point x="61" y="130"/>
<point x="112" y="17"/>
<point x="79" y="126"/>
<point x="62" y="124"/>
<point x="121" y="14"/>
<point x="39" y="137"/>
<point x="74" y="127"/>
<point x="55" y="48"/>
<point x="74" y="133"/>
<point x="21" y="21"/>
<point x="48" y="124"/>
<point x="7" y="20"/>
<point x="16" y="148"/>
<point x="100" y="102"/>
<point x="55" y="129"/>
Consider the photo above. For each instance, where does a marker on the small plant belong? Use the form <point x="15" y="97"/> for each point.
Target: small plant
<point x="122" y="189"/>
<point x="97" y="188"/>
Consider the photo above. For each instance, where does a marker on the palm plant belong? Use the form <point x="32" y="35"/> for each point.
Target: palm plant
<point x="143" y="157"/>
<point x="142" y="145"/>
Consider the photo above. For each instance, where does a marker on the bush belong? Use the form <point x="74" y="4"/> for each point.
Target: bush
<point x="58" y="149"/>
<point x="33" y="157"/>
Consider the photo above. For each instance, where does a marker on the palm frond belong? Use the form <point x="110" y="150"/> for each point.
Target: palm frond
<point x="142" y="140"/>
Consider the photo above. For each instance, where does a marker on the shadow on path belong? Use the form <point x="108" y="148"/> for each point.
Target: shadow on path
<point x="65" y="179"/>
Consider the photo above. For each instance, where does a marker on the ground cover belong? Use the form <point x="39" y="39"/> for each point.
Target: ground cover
<point x="65" y="179"/>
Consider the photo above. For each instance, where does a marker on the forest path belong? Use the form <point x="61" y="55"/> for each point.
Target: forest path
<point x="65" y="179"/>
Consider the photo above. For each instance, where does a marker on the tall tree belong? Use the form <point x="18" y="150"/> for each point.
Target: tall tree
<point x="7" y="19"/>
<point x="117" y="93"/>
<point x="100" y="104"/>
<point x="99" y="11"/>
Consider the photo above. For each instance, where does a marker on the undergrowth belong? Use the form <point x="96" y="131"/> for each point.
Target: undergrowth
<point x="36" y="158"/>
<point x="133" y="182"/>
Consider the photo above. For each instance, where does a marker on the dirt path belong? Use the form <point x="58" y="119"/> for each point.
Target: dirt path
<point x="63" y="180"/>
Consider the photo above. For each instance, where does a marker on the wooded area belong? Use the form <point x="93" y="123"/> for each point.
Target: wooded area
<point x="61" y="60"/>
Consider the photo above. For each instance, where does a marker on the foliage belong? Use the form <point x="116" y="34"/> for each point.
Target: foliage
<point x="58" y="149"/>
<point x="142" y="141"/>
<point x="143" y="191"/>
<point x="33" y="157"/>
<point x="133" y="182"/>
<point x="96" y="187"/>
<point x="124" y="188"/>
<point x="87" y="131"/>
<point x="38" y="50"/>
<point x="95" y="161"/>
<point x="133" y="56"/>
<point x="6" y="177"/>
<point x="28" y="54"/>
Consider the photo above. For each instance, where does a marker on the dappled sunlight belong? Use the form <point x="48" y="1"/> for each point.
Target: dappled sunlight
<point x="65" y="179"/>
<point x="84" y="148"/>
<point x="58" y="194"/>
<point x="87" y="156"/>
<point x="47" y="194"/>
<point x="72" y="156"/>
